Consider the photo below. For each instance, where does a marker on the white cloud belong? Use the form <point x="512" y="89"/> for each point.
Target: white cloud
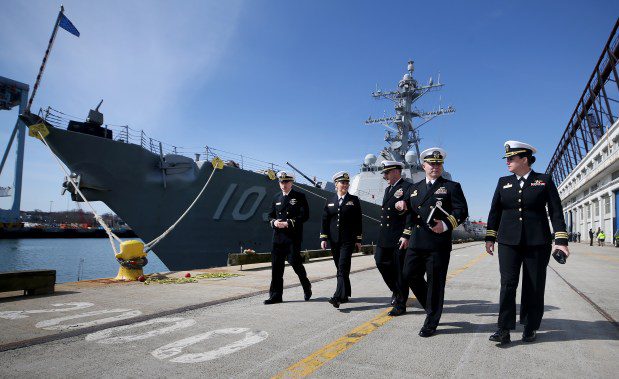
<point x="141" y="57"/>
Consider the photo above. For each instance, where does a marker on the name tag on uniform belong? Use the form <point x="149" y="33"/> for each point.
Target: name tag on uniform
<point x="350" y="203"/>
<point x="278" y="203"/>
<point x="441" y="191"/>
<point x="508" y="185"/>
<point x="414" y="193"/>
<point x="538" y="183"/>
<point x="331" y="205"/>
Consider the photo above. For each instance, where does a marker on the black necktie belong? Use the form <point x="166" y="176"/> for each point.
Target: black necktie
<point x="285" y="198"/>
<point x="339" y="202"/>
<point x="521" y="182"/>
<point x="429" y="185"/>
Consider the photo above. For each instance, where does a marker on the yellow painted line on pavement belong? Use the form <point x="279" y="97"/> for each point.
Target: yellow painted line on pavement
<point x="320" y="357"/>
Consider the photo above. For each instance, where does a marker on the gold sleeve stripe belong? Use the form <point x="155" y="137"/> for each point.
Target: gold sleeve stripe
<point x="323" y="236"/>
<point x="453" y="221"/>
<point x="407" y="232"/>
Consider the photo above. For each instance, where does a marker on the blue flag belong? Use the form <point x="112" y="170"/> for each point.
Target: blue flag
<point x="68" y="25"/>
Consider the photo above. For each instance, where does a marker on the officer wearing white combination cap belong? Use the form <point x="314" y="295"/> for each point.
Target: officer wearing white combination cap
<point x="518" y="220"/>
<point x="437" y="206"/>
<point x="289" y="210"/>
<point x="393" y="236"/>
<point x="341" y="227"/>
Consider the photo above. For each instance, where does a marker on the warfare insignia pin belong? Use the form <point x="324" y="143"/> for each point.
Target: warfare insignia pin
<point x="441" y="191"/>
<point x="293" y="201"/>
<point x="414" y="193"/>
<point x="350" y="203"/>
<point x="508" y="185"/>
<point x="399" y="193"/>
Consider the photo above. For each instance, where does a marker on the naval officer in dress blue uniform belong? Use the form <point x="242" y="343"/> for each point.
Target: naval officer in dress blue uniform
<point x="518" y="220"/>
<point x="393" y="235"/>
<point x="341" y="227"/>
<point x="437" y="206"/>
<point x="289" y="210"/>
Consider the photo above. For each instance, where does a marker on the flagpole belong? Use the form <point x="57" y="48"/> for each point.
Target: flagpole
<point x="49" y="48"/>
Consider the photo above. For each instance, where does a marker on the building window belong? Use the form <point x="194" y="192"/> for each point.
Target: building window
<point x="607" y="205"/>
<point x="597" y="208"/>
<point x="588" y="210"/>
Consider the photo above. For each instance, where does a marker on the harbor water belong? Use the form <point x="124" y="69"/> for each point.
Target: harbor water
<point x="73" y="259"/>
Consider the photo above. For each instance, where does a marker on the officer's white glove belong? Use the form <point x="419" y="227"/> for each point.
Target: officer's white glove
<point x="323" y="245"/>
<point x="400" y="205"/>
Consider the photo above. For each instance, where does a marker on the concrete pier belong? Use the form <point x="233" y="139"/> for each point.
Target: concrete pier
<point x="220" y="328"/>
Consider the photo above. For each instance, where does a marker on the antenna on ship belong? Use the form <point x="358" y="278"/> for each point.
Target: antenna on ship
<point x="406" y="135"/>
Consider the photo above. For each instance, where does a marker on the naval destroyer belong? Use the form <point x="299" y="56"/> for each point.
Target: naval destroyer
<point x="149" y="184"/>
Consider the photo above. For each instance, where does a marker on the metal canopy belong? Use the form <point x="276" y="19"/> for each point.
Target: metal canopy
<point x="596" y="111"/>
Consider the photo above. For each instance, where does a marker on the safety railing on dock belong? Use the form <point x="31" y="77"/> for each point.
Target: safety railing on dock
<point x="126" y="134"/>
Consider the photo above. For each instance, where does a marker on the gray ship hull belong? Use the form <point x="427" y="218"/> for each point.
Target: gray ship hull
<point x="231" y="214"/>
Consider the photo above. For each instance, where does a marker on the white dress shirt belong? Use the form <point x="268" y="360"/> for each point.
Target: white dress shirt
<point x="431" y="182"/>
<point x="524" y="177"/>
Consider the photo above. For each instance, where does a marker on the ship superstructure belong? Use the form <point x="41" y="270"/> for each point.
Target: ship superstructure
<point x="401" y="136"/>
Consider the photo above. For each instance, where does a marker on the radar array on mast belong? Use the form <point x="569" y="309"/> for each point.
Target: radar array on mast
<point x="406" y="135"/>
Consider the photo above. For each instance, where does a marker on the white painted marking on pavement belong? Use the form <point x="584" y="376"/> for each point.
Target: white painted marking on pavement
<point x="54" y="324"/>
<point x="105" y="336"/>
<point x="14" y="315"/>
<point x="175" y="348"/>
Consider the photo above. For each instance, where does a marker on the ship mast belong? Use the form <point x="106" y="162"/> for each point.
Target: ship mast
<point x="401" y="133"/>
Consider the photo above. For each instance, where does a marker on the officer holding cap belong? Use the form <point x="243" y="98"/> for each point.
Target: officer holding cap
<point x="289" y="210"/>
<point x="393" y="235"/>
<point x="518" y="220"/>
<point x="341" y="227"/>
<point x="437" y="207"/>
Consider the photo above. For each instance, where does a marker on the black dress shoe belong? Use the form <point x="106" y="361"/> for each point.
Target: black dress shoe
<point x="308" y="295"/>
<point x="529" y="335"/>
<point x="501" y="336"/>
<point x="397" y="311"/>
<point x="427" y="332"/>
<point x="344" y="300"/>
<point x="335" y="302"/>
<point x="273" y="300"/>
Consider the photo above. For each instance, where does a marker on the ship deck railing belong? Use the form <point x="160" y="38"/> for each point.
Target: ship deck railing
<point x="127" y="134"/>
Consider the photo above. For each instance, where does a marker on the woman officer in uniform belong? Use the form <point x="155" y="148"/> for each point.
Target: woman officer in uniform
<point x="519" y="222"/>
<point x="341" y="226"/>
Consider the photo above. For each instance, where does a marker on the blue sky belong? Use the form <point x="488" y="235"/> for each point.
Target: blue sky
<point x="291" y="80"/>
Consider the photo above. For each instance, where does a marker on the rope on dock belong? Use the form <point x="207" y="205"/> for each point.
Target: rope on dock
<point x="108" y="230"/>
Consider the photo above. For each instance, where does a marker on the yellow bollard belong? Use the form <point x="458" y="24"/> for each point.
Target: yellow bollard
<point x="131" y="259"/>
